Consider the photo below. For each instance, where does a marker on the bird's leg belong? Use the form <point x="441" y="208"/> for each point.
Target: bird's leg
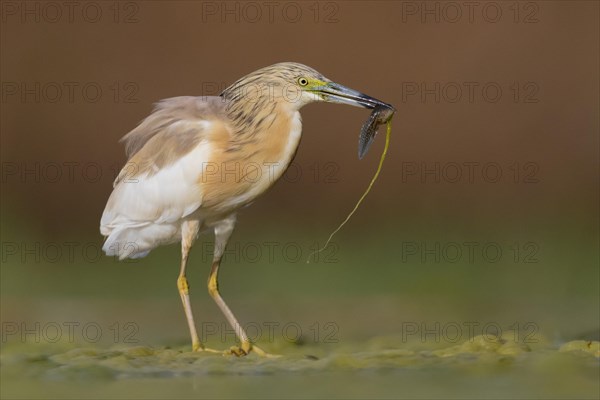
<point x="223" y="232"/>
<point x="189" y="231"/>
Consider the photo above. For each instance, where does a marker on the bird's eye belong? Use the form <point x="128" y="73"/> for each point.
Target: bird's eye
<point x="302" y="81"/>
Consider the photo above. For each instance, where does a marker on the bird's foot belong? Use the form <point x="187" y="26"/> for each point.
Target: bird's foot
<point x="198" y="347"/>
<point x="246" y="348"/>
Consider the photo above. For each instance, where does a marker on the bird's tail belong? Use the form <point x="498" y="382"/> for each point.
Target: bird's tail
<point x="135" y="241"/>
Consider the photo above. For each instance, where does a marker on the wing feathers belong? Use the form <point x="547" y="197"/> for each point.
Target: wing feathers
<point x="160" y="183"/>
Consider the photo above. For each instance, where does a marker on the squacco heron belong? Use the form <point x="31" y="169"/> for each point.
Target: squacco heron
<point x="195" y="161"/>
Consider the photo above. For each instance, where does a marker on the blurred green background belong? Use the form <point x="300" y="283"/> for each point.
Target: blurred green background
<point x="485" y="213"/>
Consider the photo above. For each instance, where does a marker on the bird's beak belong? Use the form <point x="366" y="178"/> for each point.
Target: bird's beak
<point x="336" y="93"/>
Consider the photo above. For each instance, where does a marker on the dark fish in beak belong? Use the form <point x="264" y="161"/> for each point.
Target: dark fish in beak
<point x="382" y="112"/>
<point x="380" y="115"/>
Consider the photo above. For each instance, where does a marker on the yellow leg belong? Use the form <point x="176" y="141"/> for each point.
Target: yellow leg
<point x="245" y="345"/>
<point x="185" y="299"/>
<point x="189" y="231"/>
<point x="222" y="234"/>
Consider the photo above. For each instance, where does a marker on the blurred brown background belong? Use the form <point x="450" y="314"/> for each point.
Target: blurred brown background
<point x="164" y="49"/>
<point x="509" y="86"/>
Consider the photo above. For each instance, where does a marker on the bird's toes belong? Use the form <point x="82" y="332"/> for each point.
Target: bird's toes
<point x="246" y="348"/>
<point x="236" y="351"/>
<point x="207" y="350"/>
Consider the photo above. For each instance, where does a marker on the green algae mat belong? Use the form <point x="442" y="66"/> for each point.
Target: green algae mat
<point x="484" y="366"/>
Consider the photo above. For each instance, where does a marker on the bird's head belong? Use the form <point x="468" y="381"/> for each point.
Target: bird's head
<point x="293" y="85"/>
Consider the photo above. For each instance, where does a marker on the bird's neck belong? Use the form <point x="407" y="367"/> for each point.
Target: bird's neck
<point x="249" y="117"/>
<point x="253" y="107"/>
